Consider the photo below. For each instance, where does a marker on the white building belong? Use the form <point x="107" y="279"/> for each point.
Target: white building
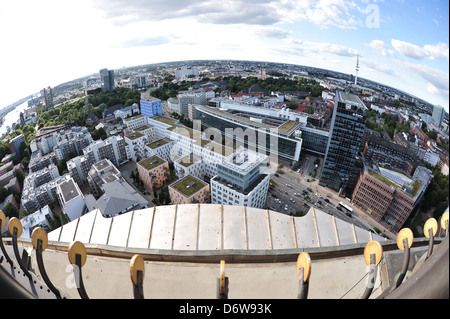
<point x="431" y="157"/>
<point x="160" y="148"/>
<point x="241" y="180"/>
<point x="183" y="73"/>
<point x="135" y="144"/>
<point x="134" y="122"/>
<point x="191" y="164"/>
<point x="127" y="111"/>
<point x="40" y="218"/>
<point x="70" y="198"/>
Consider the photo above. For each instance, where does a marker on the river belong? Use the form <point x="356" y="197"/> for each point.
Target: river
<point x="12" y="117"/>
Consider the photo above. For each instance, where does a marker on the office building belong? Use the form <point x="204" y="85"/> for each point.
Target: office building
<point x="438" y="115"/>
<point x="256" y="129"/>
<point x="107" y="78"/>
<point x="389" y="196"/>
<point x="347" y="129"/>
<point x="189" y="190"/>
<point x="150" y="105"/>
<point x="185" y="98"/>
<point x="241" y="180"/>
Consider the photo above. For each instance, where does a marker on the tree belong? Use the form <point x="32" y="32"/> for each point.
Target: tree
<point x="11" y="211"/>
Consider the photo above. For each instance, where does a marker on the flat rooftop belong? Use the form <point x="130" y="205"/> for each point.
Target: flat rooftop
<point x="188" y="185"/>
<point x="135" y="135"/>
<point x="69" y="190"/>
<point x="158" y="143"/>
<point x="151" y="162"/>
<point x="351" y="98"/>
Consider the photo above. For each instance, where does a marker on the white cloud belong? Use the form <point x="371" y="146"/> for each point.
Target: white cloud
<point x="272" y="32"/>
<point x="381" y="47"/>
<point x="322" y="47"/>
<point x="437" y="80"/>
<point x="439" y="51"/>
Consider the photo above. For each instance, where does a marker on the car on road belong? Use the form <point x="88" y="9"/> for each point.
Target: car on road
<point x="277" y="175"/>
<point x="327" y="200"/>
<point x="274" y="195"/>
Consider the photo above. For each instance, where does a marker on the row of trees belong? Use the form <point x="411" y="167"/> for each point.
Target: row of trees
<point x="120" y="95"/>
<point x="236" y="84"/>
<point x="76" y="111"/>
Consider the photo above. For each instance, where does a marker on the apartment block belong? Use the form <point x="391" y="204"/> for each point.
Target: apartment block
<point x="71" y="198"/>
<point x="191" y="164"/>
<point x="189" y="190"/>
<point x="153" y="171"/>
<point x="134" y="122"/>
<point x="160" y="148"/>
<point x="383" y="152"/>
<point x="101" y="173"/>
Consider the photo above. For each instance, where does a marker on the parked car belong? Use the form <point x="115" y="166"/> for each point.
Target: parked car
<point x="286" y="207"/>
<point x="292" y="200"/>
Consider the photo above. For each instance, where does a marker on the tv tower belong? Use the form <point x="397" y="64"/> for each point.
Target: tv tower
<point x="357" y="69"/>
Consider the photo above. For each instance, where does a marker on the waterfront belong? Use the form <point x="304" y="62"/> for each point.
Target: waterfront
<point x="12" y="117"/>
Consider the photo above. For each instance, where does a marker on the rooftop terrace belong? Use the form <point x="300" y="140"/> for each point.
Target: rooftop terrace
<point x="151" y="162"/>
<point x="188" y="185"/>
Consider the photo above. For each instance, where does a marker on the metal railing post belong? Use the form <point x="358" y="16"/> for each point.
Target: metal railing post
<point x="444" y="223"/>
<point x="404" y="241"/>
<point x="15" y="229"/>
<point x="2" y="246"/>
<point x="137" y="272"/>
<point x="222" y="282"/>
<point x="303" y="274"/>
<point x="77" y="257"/>
<point x="373" y="253"/>
<point x="40" y="241"/>
<point x="430" y="230"/>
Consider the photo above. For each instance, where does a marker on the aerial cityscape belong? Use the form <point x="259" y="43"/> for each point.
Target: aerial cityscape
<point x="340" y="151"/>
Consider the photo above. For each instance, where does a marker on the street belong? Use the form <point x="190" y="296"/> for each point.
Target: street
<point x="293" y="182"/>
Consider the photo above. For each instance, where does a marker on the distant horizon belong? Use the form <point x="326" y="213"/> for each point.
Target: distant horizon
<point x="403" y="44"/>
<point x="218" y="60"/>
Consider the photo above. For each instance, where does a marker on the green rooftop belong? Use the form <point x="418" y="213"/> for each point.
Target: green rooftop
<point x="157" y="143"/>
<point x="134" y="135"/>
<point x="151" y="162"/>
<point x="133" y="117"/>
<point x="142" y="128"/>
<point x="188" y="185"/>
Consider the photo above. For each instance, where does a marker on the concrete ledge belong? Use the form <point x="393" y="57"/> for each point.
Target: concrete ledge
<point x="231" y="256"/>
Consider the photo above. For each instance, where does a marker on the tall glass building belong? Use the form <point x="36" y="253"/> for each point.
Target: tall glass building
<point x="347" y="129"/>
<point x="107" y="78"/>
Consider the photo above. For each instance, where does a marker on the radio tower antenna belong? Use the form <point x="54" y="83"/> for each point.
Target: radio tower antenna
<point x="357" y="69"/>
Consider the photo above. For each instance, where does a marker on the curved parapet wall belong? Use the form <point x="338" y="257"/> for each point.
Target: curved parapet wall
<point x="212" y="227"/>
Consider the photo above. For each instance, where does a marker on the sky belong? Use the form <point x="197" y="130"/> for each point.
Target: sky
<point x="401" y="43"/>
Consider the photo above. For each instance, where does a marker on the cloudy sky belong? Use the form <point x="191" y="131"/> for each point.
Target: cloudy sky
<point x="402" y="43"/>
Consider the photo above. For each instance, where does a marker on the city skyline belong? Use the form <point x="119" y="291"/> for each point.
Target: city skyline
<point x="402" y="44"/>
